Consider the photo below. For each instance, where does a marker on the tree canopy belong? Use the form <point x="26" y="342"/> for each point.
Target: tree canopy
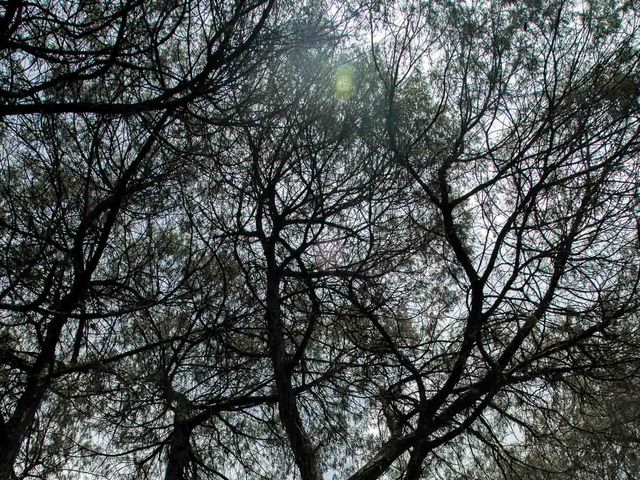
<point x="265" y="239"/>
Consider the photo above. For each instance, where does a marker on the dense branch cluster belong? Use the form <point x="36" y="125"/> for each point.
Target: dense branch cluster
<point x="319" y="240"/>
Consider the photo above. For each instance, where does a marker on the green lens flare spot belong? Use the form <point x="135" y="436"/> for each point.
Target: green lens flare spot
<point x="344" y="82"/>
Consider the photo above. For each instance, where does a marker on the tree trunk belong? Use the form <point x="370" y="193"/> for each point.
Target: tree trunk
<point x="301" y="444"/>
<point x="179" y="456"/>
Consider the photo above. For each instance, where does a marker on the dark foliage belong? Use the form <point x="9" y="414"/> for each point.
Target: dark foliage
<point x="265" y="239"/>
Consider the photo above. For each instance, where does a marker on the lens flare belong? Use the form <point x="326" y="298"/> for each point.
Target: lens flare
<point x="344" y="82"/>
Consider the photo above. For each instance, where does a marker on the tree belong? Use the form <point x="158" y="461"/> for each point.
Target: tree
<point x="267" y="240"/>
<point x="524" y="170"/>
<point x="84" y="191"/>
<point x="125" y="57"/>
<point x="594" y="435"/>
